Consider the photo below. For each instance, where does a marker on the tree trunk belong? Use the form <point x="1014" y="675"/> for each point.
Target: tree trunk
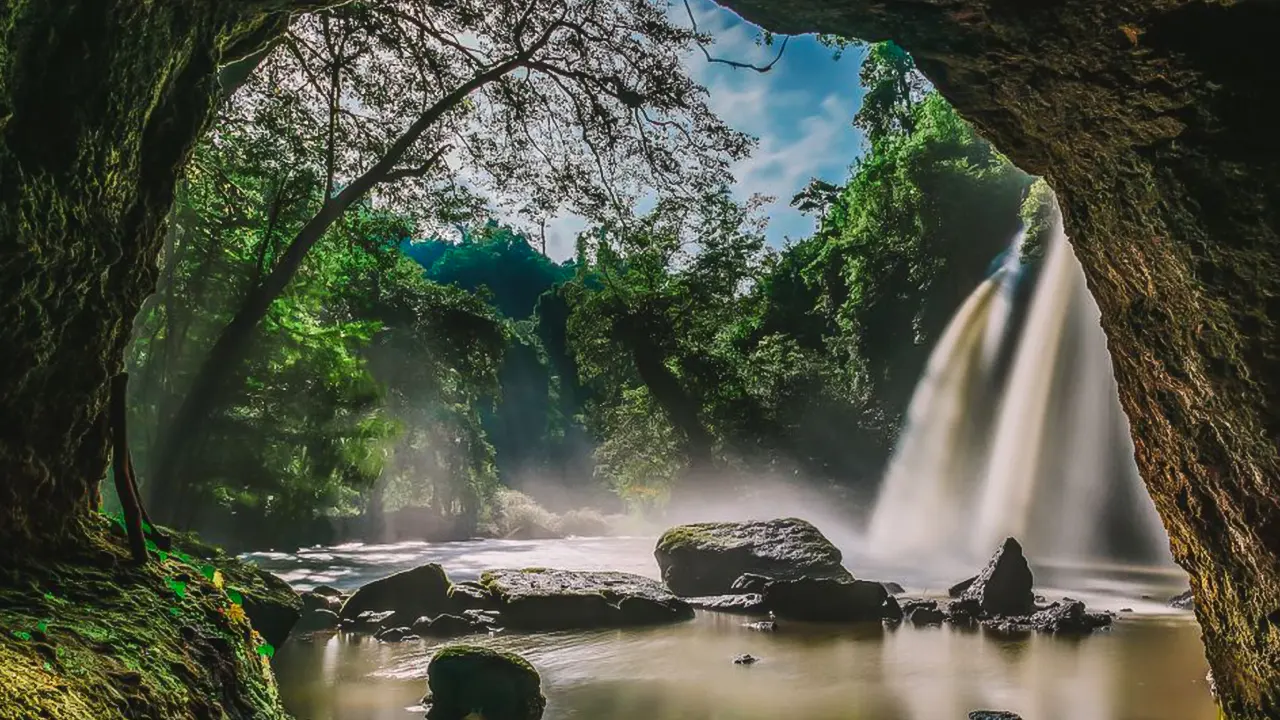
<point x="101" y="101"/>
<point x="1153" y="121"/>
<point x="235" y="340"/>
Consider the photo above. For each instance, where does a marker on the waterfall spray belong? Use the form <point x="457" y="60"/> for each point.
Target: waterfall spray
<point x="1039" y="450"/>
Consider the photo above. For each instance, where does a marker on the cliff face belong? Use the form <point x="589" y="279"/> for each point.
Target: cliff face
<point x="1148" y="119"/>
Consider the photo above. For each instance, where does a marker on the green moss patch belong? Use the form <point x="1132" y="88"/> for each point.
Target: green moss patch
<point x="93" y="636"/>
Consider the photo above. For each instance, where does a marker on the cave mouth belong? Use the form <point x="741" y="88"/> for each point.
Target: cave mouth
<point x="1150" y="119"/>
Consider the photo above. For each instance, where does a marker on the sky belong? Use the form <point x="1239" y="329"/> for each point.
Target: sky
<point x="801" y="112"/>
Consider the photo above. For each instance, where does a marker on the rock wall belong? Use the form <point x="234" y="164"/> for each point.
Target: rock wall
<point x="1148" y="117"/>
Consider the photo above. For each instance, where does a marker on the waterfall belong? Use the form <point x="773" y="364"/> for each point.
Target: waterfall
<point x="1036" y="447"/>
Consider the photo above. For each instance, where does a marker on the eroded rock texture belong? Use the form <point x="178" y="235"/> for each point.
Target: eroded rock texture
<point x="1150" y="119"/>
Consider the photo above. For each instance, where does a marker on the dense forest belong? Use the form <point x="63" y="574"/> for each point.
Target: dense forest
<point x="390" y="357"/>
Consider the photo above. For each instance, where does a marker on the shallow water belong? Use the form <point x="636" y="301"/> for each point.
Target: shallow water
<point x="1149" y="667"/>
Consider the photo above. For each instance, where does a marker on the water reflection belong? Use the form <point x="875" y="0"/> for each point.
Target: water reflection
<point x="1149" y="667"/>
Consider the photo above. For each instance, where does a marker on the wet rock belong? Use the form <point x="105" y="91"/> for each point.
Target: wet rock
<point x="271" y="606"/>
<point x="327" y="591"/>
<point x="1183" y="601"/>
<point x="963" y="613"/>
<point x="542" y="599"/>
<point x="826" y="599"/>
<point x="1067" y="617"/>
<point x="706" y="558"/>
<point x="891" y="611"/>
<point x="471" y="595"/>
<point x="993" y="715"/>
<point x="1004" y="585"/>
<point x="745" y="659"/>
<point x="483" y="618"/>
<point x="748" y="604"/>
<point x="892" y="588"/>
<point x="465" y="681"/>
<point x="958" y="589"/>
<point x="367" y="621"/>
<point x="445" y="626"/>
<point x="315" y="601"/>
<point x="315" y="620"/>
<point x="748" y="583"/>
<point x="924" y="614"/>
<point x="395" y="634"/>
<point x="424" y="590"/>
<point x="762" y="626"/>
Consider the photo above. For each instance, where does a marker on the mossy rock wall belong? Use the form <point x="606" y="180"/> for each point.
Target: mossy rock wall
<point x="1153" y="121"/>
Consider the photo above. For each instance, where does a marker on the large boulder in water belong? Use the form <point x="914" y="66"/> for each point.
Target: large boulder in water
<point x="706" y="558"/>
<point x="424" y="590"/>
<point x="1004" y="585"/>
<point x="465" y="682"/>
<point x="827" y="599"/>
<point x="542" y="599"/>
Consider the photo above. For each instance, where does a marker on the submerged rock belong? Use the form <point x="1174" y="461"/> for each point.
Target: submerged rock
<point x="706" y="558"/>
<point x="465" y="681"/>
<point x="424" y="590"/>
<point x="395" y="634"/>
<point x="1004" y="585"/>
<point x="747" y="604"/>
<point x="316" y="619"/>
<point x="1183" y="601"/>
<point x="993" y="715"/>
<point x="542" y="599"/>
<point x="368" y="621"/>
<point x="762" y="626"/>
<point x="745" y="659"/>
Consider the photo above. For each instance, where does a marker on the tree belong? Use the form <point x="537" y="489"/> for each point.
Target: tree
<point x="374" y="97"/>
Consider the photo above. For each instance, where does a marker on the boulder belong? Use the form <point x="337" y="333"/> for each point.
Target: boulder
<point x="749" y="583"/>
<point x="1183" y="601"/>
<point x="892" y="588"/>
<point x="958" y="589"/>
<point x="892" y="611"/>
<point x="747" y="604"/>
<point x="924" y="614"/>
<point x="1004" y="585"/>
<point x="542" y="599"/>
<point x="327" y="591"/>
<point x="316" y="619"/>
<point x="424" y="590"/>
<point x="395" y="634"/>
<point x="1067" y="617"/>
<point x="446" y="626"/>
<point x="962" y="612"/>
<point x="271" y="606"/>
<point x="368" y="621"/>
<point x="315" y="601"/>
<point x="465" y="682"/>
<point x="470" y="595"/>
<point x="706" y="558"/>
<point x="826" y="599"/>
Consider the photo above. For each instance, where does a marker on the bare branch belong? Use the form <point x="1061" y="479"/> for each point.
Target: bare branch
<point x="734" y="63"/>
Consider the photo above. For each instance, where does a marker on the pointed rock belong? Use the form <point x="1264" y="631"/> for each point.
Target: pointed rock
<point x="1004" y="585"/>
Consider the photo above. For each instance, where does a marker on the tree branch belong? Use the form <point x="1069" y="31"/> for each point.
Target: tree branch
<point x="734" y="63"/>
<point x="416" y="172"/>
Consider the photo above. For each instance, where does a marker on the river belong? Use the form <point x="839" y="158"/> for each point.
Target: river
<point x="1149" y="666"/>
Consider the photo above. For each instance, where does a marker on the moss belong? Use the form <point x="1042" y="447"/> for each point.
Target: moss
<point x="94" y="637"/>
<point x="698" y="535"/>
<point x="465" y="680"/>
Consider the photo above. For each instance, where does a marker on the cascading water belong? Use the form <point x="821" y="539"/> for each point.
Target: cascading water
<point x="1035" y="446"/>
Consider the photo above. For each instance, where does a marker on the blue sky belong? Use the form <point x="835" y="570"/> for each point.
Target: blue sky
<point x="801" y="112"/>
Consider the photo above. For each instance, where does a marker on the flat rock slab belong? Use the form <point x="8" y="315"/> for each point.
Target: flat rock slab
<point x="744" y="604"/>
<point x="543" y="599"/>
<point x="706" y="558"/>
